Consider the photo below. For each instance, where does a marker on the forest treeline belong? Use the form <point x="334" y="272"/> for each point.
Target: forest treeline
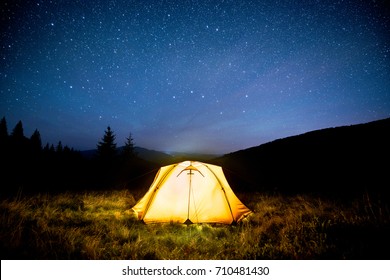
<point x="29" y="166"/>
<point x="342" y="161"/>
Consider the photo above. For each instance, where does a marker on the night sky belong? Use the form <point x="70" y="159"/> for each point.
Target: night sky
<point x="193" y="76"/>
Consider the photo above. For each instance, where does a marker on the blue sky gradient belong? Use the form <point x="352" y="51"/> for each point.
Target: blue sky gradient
<point x="192" y="76"/>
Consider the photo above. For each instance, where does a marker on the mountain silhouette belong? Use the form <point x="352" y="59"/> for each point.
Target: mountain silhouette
<point x="340" y="161"/>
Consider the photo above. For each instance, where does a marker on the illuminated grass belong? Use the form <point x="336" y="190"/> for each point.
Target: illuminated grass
<point x="101" y="225"/>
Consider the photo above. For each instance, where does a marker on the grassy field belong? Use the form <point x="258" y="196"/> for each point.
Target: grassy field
<point x="100" y="225"/>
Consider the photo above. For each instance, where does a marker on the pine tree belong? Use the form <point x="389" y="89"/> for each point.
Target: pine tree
<point x="35" y="141"/>
<point x="3" y="130"/>
<point x="17" y="133"/>
<point x="106" y="149"/>
<point x="46" y="149"/>
<point x="19" y="143"/>
<point x="3" y="136"/>
<point x="59" y="148"/>
<point x="128" y="150"/>
<point x="67" y="150"/>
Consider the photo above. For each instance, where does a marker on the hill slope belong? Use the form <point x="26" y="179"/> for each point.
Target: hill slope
<point x="338" y="161"/>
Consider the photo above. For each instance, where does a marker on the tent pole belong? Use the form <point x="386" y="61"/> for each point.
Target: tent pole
<point x="189" y="197"/>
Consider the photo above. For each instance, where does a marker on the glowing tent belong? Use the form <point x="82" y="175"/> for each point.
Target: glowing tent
<point x="190" y="192"/>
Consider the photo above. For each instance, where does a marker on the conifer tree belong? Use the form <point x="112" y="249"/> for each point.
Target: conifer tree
<point x="46" y="149"/>
<point x="67" y="150"/>
<point x="106" y="149"/>
<point x="17" y="133"/>
<point x="3" y="136"/>
<point x="19" y="143"/>
<point x="3" y="130"/>
<point x="128" y="150"/>
<point x="35" y="141"/>
<point x="59" y="148"/>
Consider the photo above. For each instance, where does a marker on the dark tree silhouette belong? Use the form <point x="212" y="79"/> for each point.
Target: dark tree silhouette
<point x="27" y="166"/>
<point x="3" y="137"/>
<point x="106" y="149"/>
<point x="19" y="143"/>
<point x="46" y="148"/>
<point x="18" y="133"/>
<point x="59" y="148"/>
<point x="17" y="158"/>
<point x="36" y="142"/>
<point x="67" y="150"/>
<point x="107" y="160"/>
<point x="4" y="153"/>
<point x="128" y="151"/>
<point x="3" y="130"/>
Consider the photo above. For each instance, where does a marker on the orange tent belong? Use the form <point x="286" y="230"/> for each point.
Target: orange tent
<point x="190" y="192"/>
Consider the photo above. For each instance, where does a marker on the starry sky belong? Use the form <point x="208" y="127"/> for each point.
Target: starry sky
<point x="192" y="75"/>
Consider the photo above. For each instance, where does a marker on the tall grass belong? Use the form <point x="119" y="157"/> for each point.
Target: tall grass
<point x="101" y="225"/>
